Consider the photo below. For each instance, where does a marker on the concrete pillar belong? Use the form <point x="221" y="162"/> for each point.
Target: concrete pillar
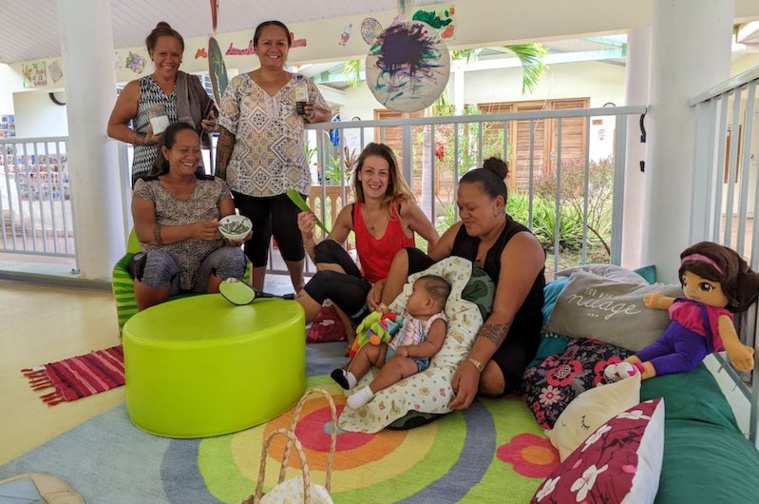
<point x="690" y="53"/>
<point x="87" y="54"/>
<point x="636" y="93"/>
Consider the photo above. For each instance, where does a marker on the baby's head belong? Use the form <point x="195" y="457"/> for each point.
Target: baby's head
<point x="429" y="295"/>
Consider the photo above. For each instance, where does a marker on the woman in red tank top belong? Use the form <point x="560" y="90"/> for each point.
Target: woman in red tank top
<point x="383" y="218"/>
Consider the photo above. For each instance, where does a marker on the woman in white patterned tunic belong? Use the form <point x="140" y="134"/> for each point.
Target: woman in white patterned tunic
<point x="176" y="218"/>
<point x="261" y="150"/>
<point x="181" y="95"/>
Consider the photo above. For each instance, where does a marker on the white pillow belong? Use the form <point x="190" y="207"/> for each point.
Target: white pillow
<point x="589" y="410"/>
<point x="429" y="391"/>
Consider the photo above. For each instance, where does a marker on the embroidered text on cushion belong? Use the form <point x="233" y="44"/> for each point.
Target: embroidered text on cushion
<point x="594" y="307"/>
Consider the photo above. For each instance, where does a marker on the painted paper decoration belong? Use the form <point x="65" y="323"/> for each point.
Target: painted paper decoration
<point x="408" y="66"/>
<point x="370" y="30"/>
<point x="217" y="70"/>
<point x="214" y="14"/>
<point x="345" y="36"/>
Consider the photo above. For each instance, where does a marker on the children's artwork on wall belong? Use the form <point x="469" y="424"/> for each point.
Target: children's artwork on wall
<point x="236" y="51"/>
<point x="346" y="35"/>
<point x="440" y="19"/>
<point x="34" y="74"/>
<point x="370" y="30"/>
<point x="201" y="53"/>
<point x="54" y="71"/>
<point x="7" y="128"/>
<point x="408" y="66"/>
<point x="135" y="62"/>
<point x="118" y="63"/>
<point x="298" y="42"/>
<point x="217" y="70"/>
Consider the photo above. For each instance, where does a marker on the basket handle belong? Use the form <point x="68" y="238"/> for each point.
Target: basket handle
<point x="291" y="439"/>
<point x="333" y="437"/>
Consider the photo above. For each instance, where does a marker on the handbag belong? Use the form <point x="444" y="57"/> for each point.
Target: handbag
<point x="298" y="489"/>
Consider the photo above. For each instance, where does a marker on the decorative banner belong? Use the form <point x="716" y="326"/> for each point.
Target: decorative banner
<point x="370" y="30"/>
<point x="408" y="66"/>
<point x="217" y="70"/>
<point x="135" y="62"/>
<point x="54" y="71"/>
<point x="34" y="74"/>
<point x="440" y="19"/>
<point x="214" y="14"/>
<point x="346" y="35"/>
<point x="236" y="51"/>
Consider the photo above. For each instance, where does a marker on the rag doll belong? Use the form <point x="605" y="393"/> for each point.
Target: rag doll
<point x="717" y="283"/>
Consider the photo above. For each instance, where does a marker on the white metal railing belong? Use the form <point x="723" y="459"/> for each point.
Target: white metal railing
<point x="483" y="135"/>
<point x="536" y="143"/>
<point x="725" y="192"/>
<point x="35" y="197"/>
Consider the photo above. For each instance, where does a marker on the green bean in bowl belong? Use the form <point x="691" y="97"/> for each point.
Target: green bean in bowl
<point x="235" y="227"/>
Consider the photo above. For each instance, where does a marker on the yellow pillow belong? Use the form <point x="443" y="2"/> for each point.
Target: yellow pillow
<point x="591" y="409"/>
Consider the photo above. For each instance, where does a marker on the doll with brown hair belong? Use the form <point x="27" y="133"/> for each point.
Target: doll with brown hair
<point x="717" y="283"/>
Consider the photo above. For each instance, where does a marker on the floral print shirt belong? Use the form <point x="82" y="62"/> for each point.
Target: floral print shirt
<point x="269" y="153"/>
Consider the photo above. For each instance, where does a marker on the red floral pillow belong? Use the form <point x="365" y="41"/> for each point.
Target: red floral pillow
<point x="620" y="462"/>
<point x="551" y="385"/>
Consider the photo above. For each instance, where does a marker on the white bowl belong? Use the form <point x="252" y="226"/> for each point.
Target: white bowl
<point x="235" y="227"/>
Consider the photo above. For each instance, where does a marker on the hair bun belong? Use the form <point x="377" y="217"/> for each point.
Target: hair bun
<point x="163" y="24"/>
<point x="497" y="166"/>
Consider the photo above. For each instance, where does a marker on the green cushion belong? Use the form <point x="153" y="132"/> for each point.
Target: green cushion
<point x="550" y="343"/>
<point x="705" y="463"/>
<point x="648" y="273"/>
<point x="694" y="395"/>
<point x="706" y="457"/>
<point x="200" y="366"/>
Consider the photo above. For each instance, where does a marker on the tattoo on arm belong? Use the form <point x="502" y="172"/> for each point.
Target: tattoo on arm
<point x="224" y="152"/>
<point x="496" y="333"/>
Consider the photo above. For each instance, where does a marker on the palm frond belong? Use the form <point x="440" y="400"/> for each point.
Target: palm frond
<point x="531" y="56"/>
<point x="352" y="72"/>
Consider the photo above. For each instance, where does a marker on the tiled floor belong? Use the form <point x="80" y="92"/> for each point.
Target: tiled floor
<point x="43" y="324"/>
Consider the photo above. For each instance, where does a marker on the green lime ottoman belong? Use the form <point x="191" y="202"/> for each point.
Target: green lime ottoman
<point x="200" y="366"/>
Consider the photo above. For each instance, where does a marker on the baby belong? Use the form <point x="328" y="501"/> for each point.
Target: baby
<point x="410" y="351"/>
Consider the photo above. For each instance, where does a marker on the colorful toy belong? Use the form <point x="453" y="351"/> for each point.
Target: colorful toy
<point x="376" y="328"/>
<point x="717" y="283"/>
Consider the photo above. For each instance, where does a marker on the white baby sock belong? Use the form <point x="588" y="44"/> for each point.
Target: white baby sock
<point x="360" y="398"/>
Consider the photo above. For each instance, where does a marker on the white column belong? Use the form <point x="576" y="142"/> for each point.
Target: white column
<point x="690" y="52"/>
<point x="636" y="93"/>
<point x="88" y="62"/>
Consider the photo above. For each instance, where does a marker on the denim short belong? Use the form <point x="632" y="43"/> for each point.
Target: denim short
<point x="422" y="363"/>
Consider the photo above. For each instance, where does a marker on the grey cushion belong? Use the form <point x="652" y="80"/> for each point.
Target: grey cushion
<point x="609" y="271"/>
<point x="595" y="307"/>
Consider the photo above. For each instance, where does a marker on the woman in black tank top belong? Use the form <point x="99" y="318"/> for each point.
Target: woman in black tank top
<point x="513" y="258"/>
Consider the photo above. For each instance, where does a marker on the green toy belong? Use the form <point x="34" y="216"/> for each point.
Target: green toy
<point x="376" y="328"/>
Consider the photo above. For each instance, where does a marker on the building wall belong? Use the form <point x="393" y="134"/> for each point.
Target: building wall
<point x="38" y="116"/>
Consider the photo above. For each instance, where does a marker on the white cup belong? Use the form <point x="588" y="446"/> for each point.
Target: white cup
<point x="159" y="120"/>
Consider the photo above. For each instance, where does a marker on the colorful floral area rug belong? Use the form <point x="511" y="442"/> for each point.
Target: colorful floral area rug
<point x="492" y="452"/>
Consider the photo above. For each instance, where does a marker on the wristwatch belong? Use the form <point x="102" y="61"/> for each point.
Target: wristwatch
<point x="477" y="364"/>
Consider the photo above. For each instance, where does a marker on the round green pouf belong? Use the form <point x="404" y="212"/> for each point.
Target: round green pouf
<point x="200" y="366"/>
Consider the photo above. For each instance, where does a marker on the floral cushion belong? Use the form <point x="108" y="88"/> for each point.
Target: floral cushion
<point x="429" y="391"/>
<point x="620" y="462"/>
<point x="552" y="384"/>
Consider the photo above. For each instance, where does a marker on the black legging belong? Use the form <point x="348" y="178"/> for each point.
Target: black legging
<point x="276" y="215"/>
<point x="347" y="290"/>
